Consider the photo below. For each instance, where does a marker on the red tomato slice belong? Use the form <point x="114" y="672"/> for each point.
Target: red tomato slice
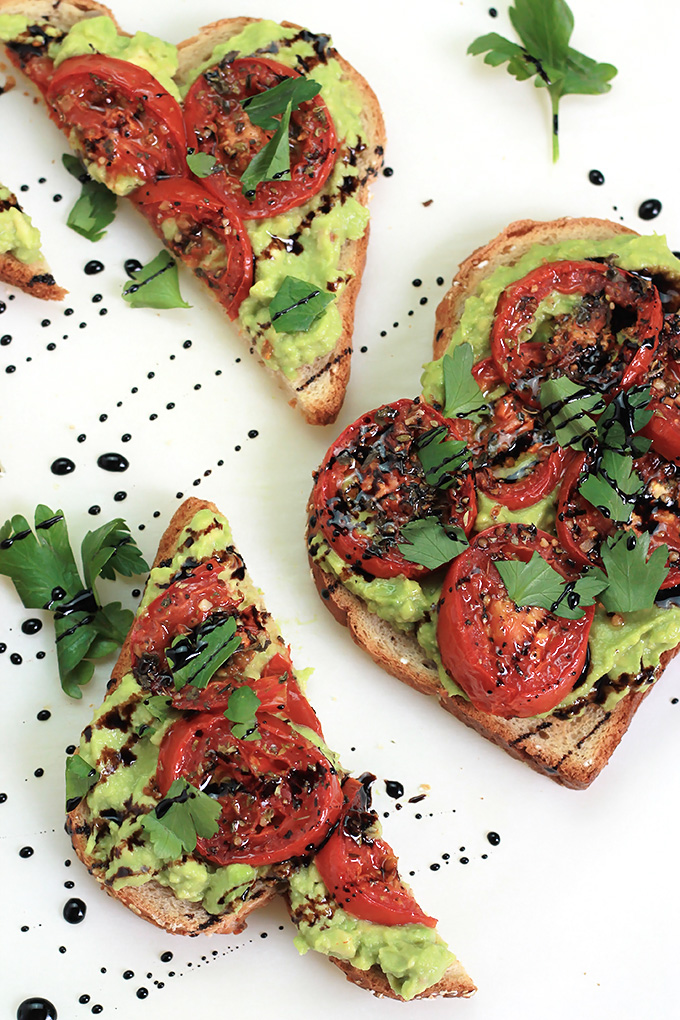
<point x="216" y="123"/>
<point x="33" y="59"/>
<point x="510" y="661"/>
<point x="360" y="871"/>
<point x="664" y="427"/>
<point x="582" y="528"/>
<point x="207" y="236"/>
<point x="280" y="795"/>
<point x="587" y="345"/>
<point x="371" y="483"/>
<point x="122" y="119"/>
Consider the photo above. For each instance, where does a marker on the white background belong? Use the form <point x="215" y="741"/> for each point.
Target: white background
<point x="575" y="912"/>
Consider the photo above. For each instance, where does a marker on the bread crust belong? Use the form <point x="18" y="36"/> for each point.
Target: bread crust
<point x="571" y="751"/>
<point x="317" y="389"/>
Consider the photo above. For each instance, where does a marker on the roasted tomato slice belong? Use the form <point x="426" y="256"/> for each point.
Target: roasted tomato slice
<point x="371" y="483"/>
<point x="582" y="528"/>
<point x="510" y="661"/>
<point x="31" y="57"/>
<point x="216" y="123"/>
<point x="606" y="343"/>
<point x="127" y="127"/>
<point x="664" y="377"/>
<point x="280" y="795"/>
<point x="513" y="431"/>
<point x="360" y="870"/>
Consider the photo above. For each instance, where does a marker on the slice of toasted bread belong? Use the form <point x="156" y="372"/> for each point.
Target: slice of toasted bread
<point x="572" y="751"/>
<point x="316" y="388"/>
<point x="34" y="277"/>
<point x="155" y="902"/>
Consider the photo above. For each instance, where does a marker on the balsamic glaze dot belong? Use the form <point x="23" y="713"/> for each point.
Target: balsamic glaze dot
<point x="3" y="647"/>
<point x="493" y="13"/>
<point x="142" y="993"/>
<point x="135" y="389"/>
<point x="120" y="496"/>
<point x="102" y="970"/>
<point x="15" y="659"/>
<point x="69" y="884"/>
<point x="62" y="949"/>
<point x="67" y="863"/>
<point x="263" y="934"/>
<point x="82" y="437"/>
<point x="3" y="798"/>
<point x="68" y="311"/>
<point x="152" y="417"/>
<point x="39" y="773"/>
<point x="93" y="267"/>
<point x="674" y="701"/>
<point x="132" y="266"/>
<point x="84" y="999"/>
<point x="103" y="417"/>
<point x="485" y="857"/>
<point x="187" y="344"/>
<point x="42" y="180"/>
<point x="26" y="852"/>
<point x="417" y="282"/>
<point x="394" y="325"/>
<point x="197" y="386"/>
<point x="388" y="171"/>
<point x="253" y="434"/>
<point x="24" y="187"/>
<point x="136" y="592"/>
<point x="24" y="927"/>
<point x="440" y="281"/>
<point x="151" y="375"/>
<point x="169" y="407"/>
<point x="74" y="911"/>
<point x="464" y="860"/>
<point x="36" y="1008"/>
<point x="45" y="322"/>
<point x="57" y="197"/>
<point x="43" y="715"/>
<point x="10" y="368"/>
<point x="94" y="510"/>
<point x="383" y="332"/>
<point x="493" y="838"/>
<point x="220" y="463"/>
<point x="40" y="655"/>
<point x="363" y="349"/>
<point x="127" y="974"/>
<point x="82" y="325"/>
<point x="166" y="957"/>
<point x="178" y="495"/>
<point x="70" y="749"/>
<point x="141" y="527"/>
<point x="5" y="340"/>
<point x="125" y="438"/>
<point x="649" y="209"/>
<point x="113" y="462"/>
<point x="31" y="626"/>
<point x="51" y="347"/>
<point x="103" y="311"/>
<point x="435" y="867"/>
<point x="237" y="448"/>
<point x="423" y="301"/>
<point x="62" y="466"/>
<point x="97" y="1008"/>
<point x="596" y="177"/>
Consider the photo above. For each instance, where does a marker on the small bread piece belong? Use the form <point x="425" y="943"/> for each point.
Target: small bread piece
<point x="34" y="277"/>
<point x="572" y="751"/>
<point x="157" y="903"/>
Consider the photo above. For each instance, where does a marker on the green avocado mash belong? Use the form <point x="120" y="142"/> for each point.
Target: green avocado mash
<point x="18" y="236"/>
<point x="412" y="956"/>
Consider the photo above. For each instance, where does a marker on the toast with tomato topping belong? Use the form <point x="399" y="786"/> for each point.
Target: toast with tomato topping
<point x="237" y="755"/>
<point x="294" y="238"/>
<point x="22" y="264"/>
<point x="573" y="740"/>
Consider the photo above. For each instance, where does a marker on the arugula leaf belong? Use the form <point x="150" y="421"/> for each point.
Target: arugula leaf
<point x="155" y="285"/>
<point x="264" y="107"/>
<point x="568" y="406"/>
<point x="272" y="162"/>
<point x="627" y="413"/>
<point x="544" y="28"/>
<point x="182" y="815"/>
<point x="297" y="305"/>
<point x="80" y="777"/>
<point x="202" y="652"/>
<point x="42" y="566"/>
<point x="609" y="487"/>
<point x="536" y="583"/>
<point x="241" y="711"/>
<point x="202" y="164"/>
<point x="633" y="580"/>
<point x="431" y="543"/>
<point x="462" y="395"/>
<point x="441" y="458"/>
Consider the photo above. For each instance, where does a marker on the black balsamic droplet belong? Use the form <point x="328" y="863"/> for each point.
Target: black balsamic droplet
<point x="394" y="789"/>
<point x="113" y="462"/>
<point x="62" y="466"/>
<point x="253" y="434"/>
<point x="142" y="993"/>
<point x="31" y="626"/>
<point x="649" y="209"/>
<point x="596" y="177"/>
<point x="15" y="659"/>
<point x="84" y="999"/>
<point x="93" y="267"/>
<point x="94" y="510"/>
<point x="26" y="852"/>
<point x="36" y="1008"/>
<point x="388" y="171"/>
<point x="3" y="798"/>
<point x="120" y="496"/>
<point x="493" y="838"/>
<point x="166" y="957"/>
<point x="43" y="715"/>
<point x="74" y="911"/>
<point x="127" y="974"/>
<point x="132" y="266"/>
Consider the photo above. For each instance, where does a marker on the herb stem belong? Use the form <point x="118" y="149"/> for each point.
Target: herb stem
<point x="554" y="103"/>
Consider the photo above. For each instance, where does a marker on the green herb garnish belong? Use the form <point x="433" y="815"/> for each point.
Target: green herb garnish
<point x="201" y="164"/>
<point x="95" y="209"/>
<point x="462" y="395"/>
<point x="536" y="583"/>
<point x="612" y="486"/>
<point x="441" y="457"/>
<point x="80" y="777"/>
<point x="272" y="162"/>
<point x="627" y="413"/>
<point x="263" y="108"/>
<point x="155" y="285"/>
<point x="297" y="305"/>
<point x="545" y="28"/>
<point x="42" y="566"/>
<point x="182" y="815"/>
<point x="431" y="543"/>
<point x="241" y="711"/>
<point x="568" y="407"/>
<point x="633" y="580"/>
<point x="203" y="651"/>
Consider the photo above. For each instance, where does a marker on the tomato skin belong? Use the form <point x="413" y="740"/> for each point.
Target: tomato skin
<point x="581" y="527"/>
<point x="664" y="427"/>
<point x="371" y="478"/>
<point x="203" y="223"/>
<point x="509" y="661"/>
<point x="360" y="872"/>
<point x="280" y="795"/>
<point x="524" y="365"/>
<point x="122" y="117"/>
<point x="217" y="124"/>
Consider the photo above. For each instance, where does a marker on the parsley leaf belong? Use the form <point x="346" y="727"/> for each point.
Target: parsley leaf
<point x="96" y="206"/>
<point x="263" y="107"/>
<point x="197" y="656"/>
<point x="612" y="486"/>
<point x="536" y="583"/>
<point x="431" y="543"/>
<point x="462" y="395"/>
<point x="241" y="708"/>
<point x="568" y="406"/>
<point x="155" y="285"/>
<point x="272" y="162"/>
<point x="202" y="164"/>
<point x="80" y="777"/>
<point x="545" y="28"/>
<point x="627" y="413"/>
<point x="297" y="305"/>
<point x="633" y="580"/>
<point x="43" y="568"/>
<point x="441" y="458"/>
<point x="182" y="815"/>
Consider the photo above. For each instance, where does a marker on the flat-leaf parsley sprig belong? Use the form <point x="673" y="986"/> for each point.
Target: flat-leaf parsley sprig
<point x="43" y="568"/>
<point x="545" y="27"/>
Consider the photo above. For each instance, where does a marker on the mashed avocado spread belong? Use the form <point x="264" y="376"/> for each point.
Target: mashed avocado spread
<point x="620" y="644"/>
<point x="412" y="956"/>
<point x="18" y="236"/>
